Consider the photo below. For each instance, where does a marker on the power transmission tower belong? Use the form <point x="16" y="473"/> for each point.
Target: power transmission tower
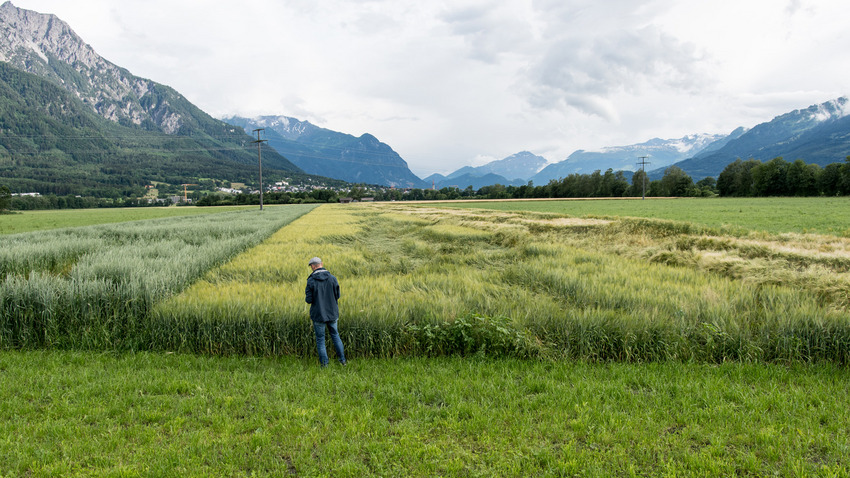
<point x="260" y="159"/>
<point x="643" y="162"/>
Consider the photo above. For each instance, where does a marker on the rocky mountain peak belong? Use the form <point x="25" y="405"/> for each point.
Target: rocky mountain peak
<point x="44" y="45"/>
<point x="27" y="31"/>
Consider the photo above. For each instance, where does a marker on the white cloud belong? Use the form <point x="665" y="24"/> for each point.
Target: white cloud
<point x="448" y="83"/>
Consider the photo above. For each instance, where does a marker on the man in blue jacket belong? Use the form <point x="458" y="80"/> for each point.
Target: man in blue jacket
<point x="322" y="294"/>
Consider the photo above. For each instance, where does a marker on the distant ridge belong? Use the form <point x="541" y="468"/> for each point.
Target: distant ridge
<point x="819" y="134"/>
<point x="661" y="152"/>
<point x="513" y="170"/>
<point x="516" y="167"/>
<point x="332" y="154"/>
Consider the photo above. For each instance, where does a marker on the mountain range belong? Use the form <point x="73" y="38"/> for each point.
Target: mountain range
<point x="72" y="122"/>
<point x="658" y="152"/>
<point x="515" y="170"/>
<point x="819" y="134"/>
<point x="329" y="153"/>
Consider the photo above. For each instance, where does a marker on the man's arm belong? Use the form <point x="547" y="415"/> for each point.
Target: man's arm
<point x="308" y="293"/>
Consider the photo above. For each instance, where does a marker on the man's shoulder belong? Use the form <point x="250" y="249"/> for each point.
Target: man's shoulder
<point x="321" y="275"/>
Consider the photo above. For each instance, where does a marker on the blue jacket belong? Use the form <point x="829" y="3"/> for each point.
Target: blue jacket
<point x="322" y="293"/>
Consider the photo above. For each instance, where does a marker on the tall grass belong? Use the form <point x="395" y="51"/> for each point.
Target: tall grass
<point x="420" y="282"/>
<point x="93" y="287"/>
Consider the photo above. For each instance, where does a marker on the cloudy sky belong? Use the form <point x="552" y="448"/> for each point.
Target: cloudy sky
<point x="462" y="82"/>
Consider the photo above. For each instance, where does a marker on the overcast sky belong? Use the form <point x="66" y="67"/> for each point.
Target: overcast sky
<point x="462" y="82"/>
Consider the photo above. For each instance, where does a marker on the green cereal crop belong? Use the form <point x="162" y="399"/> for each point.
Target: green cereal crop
<point x="28" y="221"/>
<point x="93" y="287"/>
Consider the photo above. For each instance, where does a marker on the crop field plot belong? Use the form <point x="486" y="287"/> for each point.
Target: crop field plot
<point x="431" y="281"/>
<point x="54" y="219"/>
<point x="93" y="287"/>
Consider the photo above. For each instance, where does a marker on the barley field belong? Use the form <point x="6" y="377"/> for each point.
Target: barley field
<point x="28" y="221"/>
<point x="421" y="280"/>
<point x="93" y="287"/>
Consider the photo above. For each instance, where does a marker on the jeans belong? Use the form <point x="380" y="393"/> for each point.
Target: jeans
<point x="319" y="329"/>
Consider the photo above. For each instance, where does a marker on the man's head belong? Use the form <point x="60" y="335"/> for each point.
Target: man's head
<point x="315" y="263"/>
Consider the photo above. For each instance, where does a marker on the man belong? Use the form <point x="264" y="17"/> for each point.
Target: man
<point x="322" y="294"/>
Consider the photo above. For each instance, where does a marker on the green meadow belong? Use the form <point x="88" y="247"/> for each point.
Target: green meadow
<point x="482" y="342"/>
<point x="774" y="215"/>
<point x="146" y="414"/>
<point x="27" y="221"/>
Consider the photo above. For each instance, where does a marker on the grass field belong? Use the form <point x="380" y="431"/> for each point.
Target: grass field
<point x="89" y="414"/>
<point x="774" y="215"/>
<point x="27" y="221"/>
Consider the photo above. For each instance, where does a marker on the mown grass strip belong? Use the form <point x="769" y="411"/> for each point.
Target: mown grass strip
<point x="85" y="414"/>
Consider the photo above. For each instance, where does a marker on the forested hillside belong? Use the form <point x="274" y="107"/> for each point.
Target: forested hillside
<point x="52" y="143"/>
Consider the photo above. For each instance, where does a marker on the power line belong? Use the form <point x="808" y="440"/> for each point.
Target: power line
<point x="643" y="162"/>
<point x="260" y="159"/>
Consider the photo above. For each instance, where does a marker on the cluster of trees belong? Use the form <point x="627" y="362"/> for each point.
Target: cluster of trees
<point x="778" y="177"/>
<point x="315" y="196"/>
<point x="34" y="203"/>
<point x="5" y="197"/>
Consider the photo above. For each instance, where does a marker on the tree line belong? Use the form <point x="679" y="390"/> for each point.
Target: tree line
<point x="778" y="177"/>
<point x="675" y="182"/>
<point x="752" y="177"/>
<point x="315" y="196"/>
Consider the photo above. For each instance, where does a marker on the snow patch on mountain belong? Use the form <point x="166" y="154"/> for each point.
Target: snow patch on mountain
<point x="289" y="127"/>
<point x="692" y="142"/>
<point x="834" y="109"/>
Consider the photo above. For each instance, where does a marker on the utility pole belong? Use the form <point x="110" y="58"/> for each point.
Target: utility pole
<point x="260" y="159"/>
<point x="643" y="163"/>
